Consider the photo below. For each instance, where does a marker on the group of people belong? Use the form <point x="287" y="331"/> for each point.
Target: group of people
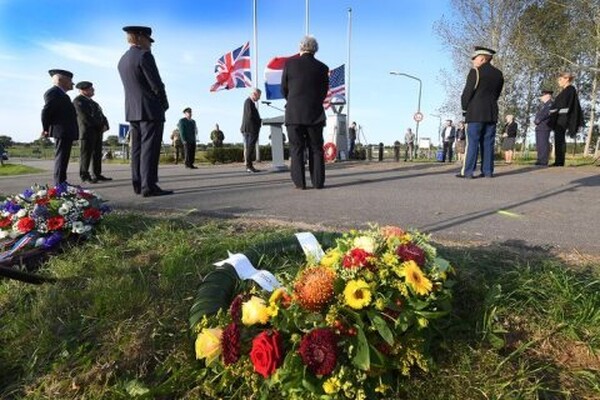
<point x="479" y="102"/>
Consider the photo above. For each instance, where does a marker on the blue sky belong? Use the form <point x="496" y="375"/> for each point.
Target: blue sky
<point x="85" y="37"/>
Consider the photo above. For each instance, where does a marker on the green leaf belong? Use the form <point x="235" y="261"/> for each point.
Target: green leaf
<point x="442" y="264"/>
<point x="136" y="388"/>
<point x="361" y="359"/>
<point x="432" y="314"/>
<point x="215" y="292"/>
<point x="382" y="327"/>
<point x="496" y="341"/>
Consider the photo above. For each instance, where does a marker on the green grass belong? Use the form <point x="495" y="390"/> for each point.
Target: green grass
<point x="526" y="325"/>
<point x="18" y="169"/>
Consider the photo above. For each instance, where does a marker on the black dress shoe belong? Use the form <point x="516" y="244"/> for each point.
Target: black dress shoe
<point x="155" y="193"/>
<point x="465" y="176"/>
<point x="89" y="179"/>
<point x="103" y="178"/>
<point x="193" y="167"/>
<point x="252" y="170"/>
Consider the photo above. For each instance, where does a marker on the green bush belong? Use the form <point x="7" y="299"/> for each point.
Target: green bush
<point x="225" y="155"/>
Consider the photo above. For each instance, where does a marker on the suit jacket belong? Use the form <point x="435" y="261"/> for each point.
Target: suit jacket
<point x="59" y="118"/>
<point x="90" y="118"/>
<point x="251" y="118"/>
<point x="145" y="96"/>
<point x="566" y="113"/>
<point x="479" y="98"/>
<point x="450" y="137"/>
<point x="304" y="84"/>
<point x="542" y="117"/>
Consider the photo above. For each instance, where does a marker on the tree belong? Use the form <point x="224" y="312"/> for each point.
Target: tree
<point x="6" y="141"/>
<point x="112" y="141"/>
<point x="42" y="141"/>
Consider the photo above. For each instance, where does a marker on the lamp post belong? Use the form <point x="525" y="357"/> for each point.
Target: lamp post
<point x="439" y="127"/>
<point x="419" y="101"/>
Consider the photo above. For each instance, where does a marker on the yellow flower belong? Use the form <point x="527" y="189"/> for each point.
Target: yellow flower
<point x="380" y="304"/>
<point x="416" y="279"/>
<point x="331" y="385"/>
<point x="208" y="344"/>
<point x="390" y="259"/>
<point x="255" y="311"/>
<point x="331" y="258"/>
<point x="366" y="243"/>
<point x="423" y="322"/>
<point x="357" y="294"/>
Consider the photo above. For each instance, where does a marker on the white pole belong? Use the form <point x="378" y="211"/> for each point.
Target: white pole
<point x="307" y="18"/>
<point x="348" y="122"/>
<point x="255" y="60"/>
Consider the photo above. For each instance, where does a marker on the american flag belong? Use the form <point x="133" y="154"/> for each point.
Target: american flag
<point x="337" y="87"/>
<point x="233" y="70"/>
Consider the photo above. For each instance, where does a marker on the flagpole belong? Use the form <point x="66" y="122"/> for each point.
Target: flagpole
<point x="255" y="59"/>
<point x="348" y="122"/>
<point x="306" y="18"/>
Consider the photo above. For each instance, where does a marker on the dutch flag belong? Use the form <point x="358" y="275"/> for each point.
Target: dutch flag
<point x="273" y="73"/>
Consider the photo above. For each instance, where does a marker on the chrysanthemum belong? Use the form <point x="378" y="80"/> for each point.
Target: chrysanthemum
<point x="416" y="279"/>
<point x="411" y="251"/>
<point x="230" y="344"/>
<point x="318" y="350"/>
<point x="357" y="294"/>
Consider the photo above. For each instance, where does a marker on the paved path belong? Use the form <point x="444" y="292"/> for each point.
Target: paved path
<point x="554" y="207"/>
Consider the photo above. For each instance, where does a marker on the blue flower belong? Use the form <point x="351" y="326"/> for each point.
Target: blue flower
<point x="11" y="207"/>
<point x="52" y="240"/>
<point x="40" y="211"/>
<point x="27" y="193"/>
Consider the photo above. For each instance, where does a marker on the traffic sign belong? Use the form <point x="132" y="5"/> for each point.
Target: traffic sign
<point x="418" y="117"/>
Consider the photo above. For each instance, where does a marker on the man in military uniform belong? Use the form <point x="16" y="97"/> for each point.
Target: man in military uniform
<point x="217" y="136"/>
<point x="59" y="121"/>
<point x="480" y="107"/>
<point x="542" y="129"/>
<point x="187" y="132"/>
<point x="145" y="106"/>
<point x="92" y="124"/>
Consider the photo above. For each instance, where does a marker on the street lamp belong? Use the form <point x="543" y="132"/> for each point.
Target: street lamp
<point x="419" y="102"/>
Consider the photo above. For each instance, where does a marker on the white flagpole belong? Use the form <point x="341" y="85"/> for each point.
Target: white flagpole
<point x="306" y="19"/>
<point x="348" y="121"/>
<point x="255" y="59"/>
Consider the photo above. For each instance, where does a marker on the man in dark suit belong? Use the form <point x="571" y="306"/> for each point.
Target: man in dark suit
<point x="250" y="129"/>
<point x="304" y="84"/>
<point x="59" y="121"/>
<point x="92" y="124"/>
<point x="542" y="129"/>
<point x="480" y="107"/>
<point x="145" y="106"/>
<point x="447" y="134"/>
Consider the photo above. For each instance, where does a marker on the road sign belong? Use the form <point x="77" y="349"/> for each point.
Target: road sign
<point x="418" y="117"/>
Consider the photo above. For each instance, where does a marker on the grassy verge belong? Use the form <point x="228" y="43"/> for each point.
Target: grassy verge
<point x="526" y="326"/>
<point x="18" y="169"/>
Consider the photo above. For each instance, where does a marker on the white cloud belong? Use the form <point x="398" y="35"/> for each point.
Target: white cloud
<point x="93" y="55"/>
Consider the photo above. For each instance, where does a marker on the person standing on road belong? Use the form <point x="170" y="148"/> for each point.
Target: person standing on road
<point x="479" y="102"/>
<point x="509" y="138"/>
<point x="447" y="134"/>
<point x="250" y="128"/>
<point x="460" y="141"/>
<point x="145" y="106"/>
<point x="59" y="121"/>
<point x="217" y="136"/>
<point x="351" y="139"/>
<point x="409" y="140"/>
<point x="92" y="124"/>
<point x="188" y="132"/>
<point x="304" y="84"/>
<point x="176" y="144"/>
<point x="542" y="129"/>
<point x="565" y="117"/>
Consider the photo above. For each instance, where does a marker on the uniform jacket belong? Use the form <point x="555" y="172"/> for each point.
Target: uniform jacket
<point x="187" y="130"/>
<point x="479" y="98"/>
<point x="566" y="111"/>
<point x="59" y="118"/>
<point x="304" y="84"/>
<point x="90" y="118"/>
<point x="542" y="117"/>
<point x="250" y="119"/>
<point x="145" y="96"/>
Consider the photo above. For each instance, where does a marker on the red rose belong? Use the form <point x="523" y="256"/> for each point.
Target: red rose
<point x="55" y="223"/>
<point x="43" y="201"/>
<point x="267" y="352"/>
<point x="318" y="350"/>
<point x="25" y="224"/>
<point x="91" y="213"/>
<point x="52" y="192"/>
<point x="5" y="222"/>
<point x="410" y="251"/>
<point x="356" y="258"/>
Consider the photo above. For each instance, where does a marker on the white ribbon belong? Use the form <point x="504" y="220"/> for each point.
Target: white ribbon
<point x="310" y="245"/>
<point x="245" y="270"/>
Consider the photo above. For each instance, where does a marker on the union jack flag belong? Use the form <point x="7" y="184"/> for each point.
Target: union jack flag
<point x="337" y="86"/>
<point x="233" y="70"/>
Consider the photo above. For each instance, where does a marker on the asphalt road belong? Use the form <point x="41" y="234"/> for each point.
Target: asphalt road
<point x="556" y="208"/>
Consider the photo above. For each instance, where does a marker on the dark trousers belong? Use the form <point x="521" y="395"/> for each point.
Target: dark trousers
<point x="447" y="151"/>
<point x="480" y="135"/>
<point x="311" y="137"/>
<point x="542" y="146"/>
<point x="146" y="138"/>
<point x="189" y="150"/>
<point x="351" y="149"/>
<point x="62" y="153"/>
<point x="90" y="152"/>
<point x="560" y="145"/>
<point x="250" y="140"/>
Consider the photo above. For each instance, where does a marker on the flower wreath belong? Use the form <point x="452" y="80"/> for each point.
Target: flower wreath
<point x="352" y="320"/>
<point x="329" y="151"/>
